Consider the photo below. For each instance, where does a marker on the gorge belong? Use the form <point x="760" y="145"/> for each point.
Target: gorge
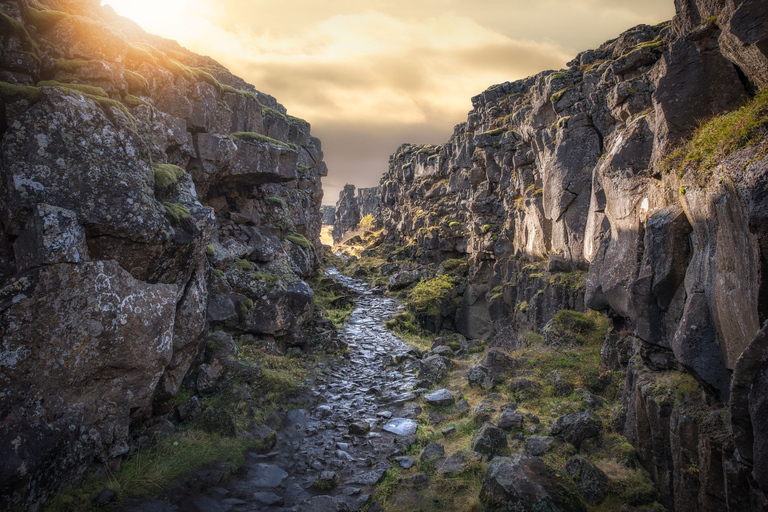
<point x="581" y="268"/>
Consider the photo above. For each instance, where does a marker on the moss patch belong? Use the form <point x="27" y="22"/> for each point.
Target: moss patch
<point x="301" y="241"/>
<point x="167" y="175"/>
<point x="263" y="139"/>
<point x="10" y="92"/>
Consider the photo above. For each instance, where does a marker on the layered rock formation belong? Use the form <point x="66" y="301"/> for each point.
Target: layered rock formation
<point x="329" y="215"/>
<point x="351" y="208"/>
<point x="559" y="191"/>
<point x="147" y="194"/>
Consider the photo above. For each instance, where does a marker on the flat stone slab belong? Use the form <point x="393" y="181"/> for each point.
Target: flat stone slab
<point x="401" y="426"/>
<point x="368" y="478"/>
<point x="266" y="475"/>
<point x="441" y="397"/>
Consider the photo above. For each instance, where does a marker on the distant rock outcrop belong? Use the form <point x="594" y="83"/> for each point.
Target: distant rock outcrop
<point x="147" y="194"/>
<point x="562" y="192"/>
<point x="329" y="215"/>
<point x="351" y="208"/>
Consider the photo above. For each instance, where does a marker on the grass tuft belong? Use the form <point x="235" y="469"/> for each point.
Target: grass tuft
<point x="263" y="139"/>
<point x="167" y="175"/>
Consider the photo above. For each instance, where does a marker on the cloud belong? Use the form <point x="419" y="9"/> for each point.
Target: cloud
<point x="371" y="75"/>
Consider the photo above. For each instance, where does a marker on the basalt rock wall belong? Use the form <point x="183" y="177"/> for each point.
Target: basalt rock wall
<point x="147" y="195"/>
<point x="559" y="192"/>
<point x="352" y="207"/>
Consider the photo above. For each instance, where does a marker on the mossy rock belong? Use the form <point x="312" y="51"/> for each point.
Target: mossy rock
<point x="214" y="421"/>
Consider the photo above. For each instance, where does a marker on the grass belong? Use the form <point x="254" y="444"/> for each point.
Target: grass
<point x="9" y="25"/>
<point x="69" y="65"/>
<point x="167" y="175"/>
<point x="132" y="101"/>
<point x="89" y="90"/>
<point x="332" y="300"/>
<point x="154" y="468"/>
<point x="276" y="201"/>
<point x="720" y="137"/>
<point x="136" y="82"/>
<point x="243" y="265"/>
<point x="558" y="95"/>
<point x="262" y="139"/>
<point x="495" y="132"/>
<point x="406" y="326"/>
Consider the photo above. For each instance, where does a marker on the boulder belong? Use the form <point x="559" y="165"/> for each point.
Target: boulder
<point x="577" y="428"/>
<point x="590" y="480"/>
<point x="522" y="483"/>
<point x="433" y="369"/>
<point x="440" y="398"/>
<point x="489" y="440"/>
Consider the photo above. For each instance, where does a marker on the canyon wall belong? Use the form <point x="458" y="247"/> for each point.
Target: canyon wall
<point x="562" y="191"/>
<point x="148" y="195"/>
<point x="352" y="206"/>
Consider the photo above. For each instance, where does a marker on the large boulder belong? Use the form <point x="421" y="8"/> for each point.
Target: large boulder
<point x="490" y="440"/>
<point x="577" y="428"/>
<point x="524" y="484"/>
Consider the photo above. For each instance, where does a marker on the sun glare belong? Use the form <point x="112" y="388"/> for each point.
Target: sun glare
<point x="168" y="18"/>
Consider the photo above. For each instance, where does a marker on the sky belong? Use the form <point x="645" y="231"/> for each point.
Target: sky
<point x="370" y="75"/>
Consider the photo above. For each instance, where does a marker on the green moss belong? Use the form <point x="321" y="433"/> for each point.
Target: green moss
<point x="176" y="211"/>
<point x="243" y="265"/>
<point x="301" y="241"/>
<point x="82" y="88"/>
<point x="132" y="101"/>
<point x="270" y="279"/>
<point x="138" y="54"/>
<point x="44" y="20"/>
<point x="427" y="295"/>
<point x="239" y="92"/>
<point x="558" y="95"/>
<point x="245" y="306"/>
<point x="495" y="132"/>
<point x="559" y="75"/>
<point x="167" y="175"/>
<point x="210" y="251"/>
<point x="276" y="201"/>
<point x="722" y="136"/>
<point x="259" y="138"/>
<point x="9" y="25"/>
<point x="326" y="485"/>
<point x="69" y="65"/>
<point x="10" y="92"/>
<point x="136" y="82"/>
<point x="576" y="280"/>
<point x="267" y="111"/>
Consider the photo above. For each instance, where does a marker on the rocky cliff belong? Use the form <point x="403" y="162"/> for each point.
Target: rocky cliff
<point x="148" y="195"/>
<point x="591" y="186"/>
<point x="352" y="207"/>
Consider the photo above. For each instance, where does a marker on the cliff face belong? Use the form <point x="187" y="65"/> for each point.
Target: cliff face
<point x="560" y="191"/>
<point x="352" y="207"/>
<point x="147" y="195"/>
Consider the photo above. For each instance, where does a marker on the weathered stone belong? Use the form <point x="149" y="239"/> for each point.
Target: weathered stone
<point x="440" y="398"/>
<point x="489" y="440"/>
<point x="432" y="451"/>
<point x="576" y="428"/>
<point x="589" y="479"/>
<point x="510" y="419"/>
<point x="433" y="369"/>
<point x="538" y="445"/>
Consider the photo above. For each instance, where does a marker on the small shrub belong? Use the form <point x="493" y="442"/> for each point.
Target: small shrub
<point x="368" y="223"/>
<point x="428" y="293"/>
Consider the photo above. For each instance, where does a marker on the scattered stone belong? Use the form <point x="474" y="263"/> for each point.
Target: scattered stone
<point x="415" y="480"/>
<point x="359" y="428"/>
<point x="483" y="413"/>
<point x="326" y="481"/>
<point x="478" y="376"/>
<point x="576" y="428"/>
<point x="539" y="445"/>
<point x="190" y="409"/>
<point x="405" y="462"/>
<point x="369" y="478"/>
<point x="434" y="369"/>
<point x="525" y="389"/>
<point x="592" y="401"/>
<point x="411" y="411"/>
<point x="449" y="431"/>
<point x="432" y="451"/>
<point x="384" y="414"/>
<point x="590" y="480"/>
<point x="266" y="476"/>
<point x="440" y="398"/>
<point x="510" y="419"/>
<point x="454" y="464"/>
<point x="525" y="483"/>
<point x="267" y="498"/>
<point x="323" y="504"/>
<point x="435" y="418"/>
<point x="105" y="496"/>
<point x="443" y="351"/>
<point x="489" y="440"/>
<point x="215" y="421"/>
<point x="462" y="406"/>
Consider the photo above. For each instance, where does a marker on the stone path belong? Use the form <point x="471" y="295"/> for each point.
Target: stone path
<point x="330" y="437"/>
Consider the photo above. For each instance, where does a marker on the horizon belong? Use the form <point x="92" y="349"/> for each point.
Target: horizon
<point x="371" y="77"/>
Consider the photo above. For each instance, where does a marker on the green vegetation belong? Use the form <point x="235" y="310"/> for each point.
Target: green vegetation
<point x="154" y="468"/>
<point x="245" y="306"/>
<point x="176" y="212"/>
<point x="69" y="65"/>
<point x="576" y="280"/>
<point x="427" y="295"/>
<point x="210" y="251"/>
<point x="367" y="223"/>
<point x="270" y="279"/>
<point x="259" y="138"/>
<point x="132" y="101"/>
<point x="301" y="241"/>
<point x="44" y="20"/>
<point x="495" y="132"/>
<point x="243" y="265"/>
<point x="85" y="89"/>
<point x="167" y="175"/>
<point x="267" y="111"/>
<point x="19" y="92"/>
<point x="558" y="95"/>
<point x="136" y="82"/>
<point x="276" y="201"/>
<point x="332" y="300"/>
<point x="720" y="137"/>
<point x="9" y="26"/>
<point x="558" y="75"/>
<point x="246" y="94"/>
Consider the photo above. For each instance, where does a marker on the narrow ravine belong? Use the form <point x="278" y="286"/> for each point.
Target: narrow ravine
<point x="330" y="437"/>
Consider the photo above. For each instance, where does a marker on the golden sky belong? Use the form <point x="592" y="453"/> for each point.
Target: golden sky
<point x="370" y="75"/>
